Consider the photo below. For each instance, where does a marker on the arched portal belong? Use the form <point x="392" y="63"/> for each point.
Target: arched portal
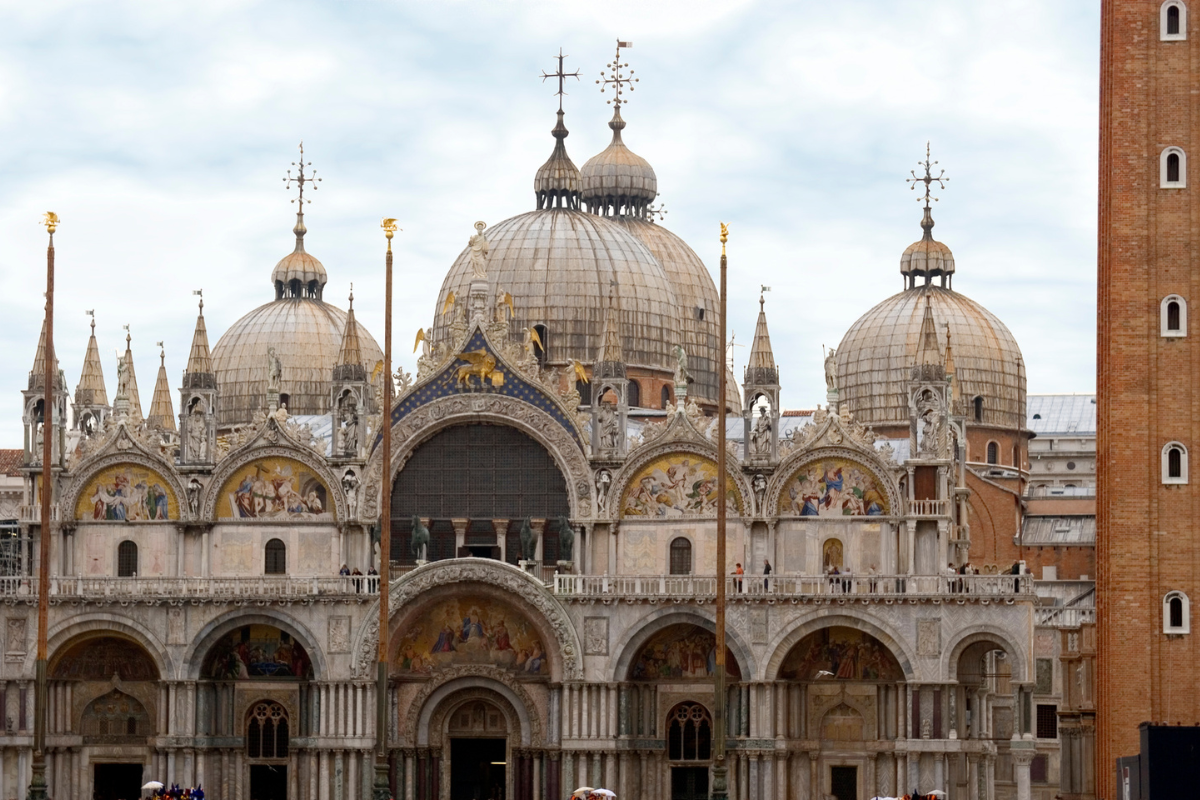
<point x="267" y="737"/>
<point x="485" y="477"/>
<point x="991" y="706"/>
<point x="477" y="731"/>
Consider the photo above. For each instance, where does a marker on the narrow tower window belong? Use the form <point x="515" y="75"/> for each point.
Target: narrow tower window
<point x="1172" y="21"/>
<point x="1172" y="169"/>
<point x="978" y="402"/>
<point x="1174" y="463"/>
<point x="1177" y="615"/>
<point x="1173" y="316"/>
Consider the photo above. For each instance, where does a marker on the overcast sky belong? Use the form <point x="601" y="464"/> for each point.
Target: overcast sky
<point x="160" y="132"/>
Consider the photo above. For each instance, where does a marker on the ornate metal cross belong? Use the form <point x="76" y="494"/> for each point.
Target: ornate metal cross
<point x="929" y="178"/>
<point x="561" y="77"/>
<point x="616" y="78"/>
<point x="301" y="179"/>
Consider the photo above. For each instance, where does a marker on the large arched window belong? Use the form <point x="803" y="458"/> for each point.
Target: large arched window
<point x="1172" y="314"/>
<point x="993" y="453"/>
<point x="1172" y="21"/>
<point x="1177" y="613"/>
<point x="689" y="733"/>
<point x="1174" y="463"/>
<point x="1172" y="168"/>
<point x="267" y="732"/>
<point x="275" y="562"/>
<point x="681" y="556"/>
<point x="127" y="560"/>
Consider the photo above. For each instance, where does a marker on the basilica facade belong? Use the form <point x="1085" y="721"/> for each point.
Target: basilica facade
<point x="553" y="523"/>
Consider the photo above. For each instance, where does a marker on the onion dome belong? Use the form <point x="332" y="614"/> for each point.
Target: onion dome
<point x="927" y="257"/>
<point x="91" y="391"/>
<point x="306" y="334"/>
<point x="559" y="264"/>
<point x="557" y="182"/>
<point x="877" y="354"/>
<point x="162" y="415"/>
<point x="298" y="274"/>
<point x="617" y="181"/>
<point x="698" y="319"/>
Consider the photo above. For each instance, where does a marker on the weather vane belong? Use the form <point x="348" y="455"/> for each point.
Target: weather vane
<point x="91" y="312"/>
<point x="929" y="178"/>
<point x="301" y="179"/>
<point x="561" y="77"/>
<point x="616" y="78"/>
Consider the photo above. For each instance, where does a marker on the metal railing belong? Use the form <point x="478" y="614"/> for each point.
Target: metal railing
<point x="652" y="586"/>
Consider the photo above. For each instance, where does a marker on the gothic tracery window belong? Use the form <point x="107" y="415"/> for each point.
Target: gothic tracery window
<point x="267" y="731"/>
<point x="689" y="733"/>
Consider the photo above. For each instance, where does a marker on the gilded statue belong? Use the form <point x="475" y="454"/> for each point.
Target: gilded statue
<point x="479" y="252"/>
<point x="480" y="364"/>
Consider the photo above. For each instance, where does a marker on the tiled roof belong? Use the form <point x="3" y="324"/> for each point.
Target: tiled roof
<point x="10" y="460"/>
<point x="1062" y="413"/>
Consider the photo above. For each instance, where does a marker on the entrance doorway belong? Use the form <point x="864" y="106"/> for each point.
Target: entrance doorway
<point x="116" y="781"/>
<point x="844" y="782"/>
<point x="268" y="782"/>
<point x="689" y="783"/>
<point x="477" y="769"/>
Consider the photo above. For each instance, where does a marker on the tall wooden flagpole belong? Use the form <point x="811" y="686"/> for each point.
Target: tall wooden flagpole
<point x="720" y="787"/>
<point x="382" y="789"/>
<point x="37" y="782"/>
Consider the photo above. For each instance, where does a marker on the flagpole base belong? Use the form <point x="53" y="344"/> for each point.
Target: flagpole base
<point x="720" y="783"/>
<point x="37" y="782"/>
<point x="381" y="790"/>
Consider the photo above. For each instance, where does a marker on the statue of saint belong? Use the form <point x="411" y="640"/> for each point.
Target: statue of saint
<point x="122" y="378"/>
<point x="682" y="376"/>
<point x="350" y="428"/>
<point x="479" y="252"/>
<point x="760" y="436"/>
<point x="350" y="487"/>
<point x="274" y="371"/>
<point x="193" y="496"/>
<point x="760" y="488"/>
<point x="197" y="441"/>
<point x="603" y="481"/>
<point x="831" y="379"/>
<point x="608" y="427"/>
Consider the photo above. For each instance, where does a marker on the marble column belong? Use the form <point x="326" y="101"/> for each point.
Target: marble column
<point x="1021" y="756"/>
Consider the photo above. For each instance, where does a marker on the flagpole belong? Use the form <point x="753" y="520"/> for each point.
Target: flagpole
<point x="37" y="782"/>
<point x="720" y="787"/>
<point x="382" y="789"/>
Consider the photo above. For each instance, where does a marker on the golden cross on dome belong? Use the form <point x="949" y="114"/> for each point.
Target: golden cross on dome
<point x="561" y="76"/>
<point x="301" y="179"/>
<point x="616" y="78"/>
<point x="929" y="178"/>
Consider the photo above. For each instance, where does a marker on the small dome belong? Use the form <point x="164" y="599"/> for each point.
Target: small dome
<point x="557" y="182"/>
<point x="876" y="356"/>
<point x="927" y="256"/>
<point x="617" y="181"/>
<point x="307" y="337"/>
<point x="299" y="274"/>
<point x="699" y="303"/>
<point x="559" y="265"/>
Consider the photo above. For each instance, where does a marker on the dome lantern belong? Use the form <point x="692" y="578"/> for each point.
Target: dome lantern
<point x="298" y="274"/>
<point x="927" y="257"/>
<point x="557" y="182"/>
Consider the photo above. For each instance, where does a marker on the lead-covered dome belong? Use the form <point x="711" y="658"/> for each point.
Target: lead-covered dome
<point x="617" y="181"/>
<point x="876" y="356"/>
<point x="559" y="265"/>
<point x="305" y="332"/>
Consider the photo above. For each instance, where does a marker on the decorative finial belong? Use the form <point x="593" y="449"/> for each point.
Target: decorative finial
<point x="351" y="295"/>
<point x="928" y="179"/>
<point x="561" y="77"/>
<point x="50" y="220"/>
<point x="200" y="292"/>
<point x="616" y="78"/>
<point x="389" y="230"/>
<point x="91" y="312"/>
<point x="128" y="336"/>
<point x="761" y="292"/>
<point x="162" y="353"/>
<point x="301" y="179"/>
<point x="724" y="236"/>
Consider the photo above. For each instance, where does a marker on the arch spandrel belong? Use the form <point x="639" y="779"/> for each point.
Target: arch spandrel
<point x="440" y="580"/>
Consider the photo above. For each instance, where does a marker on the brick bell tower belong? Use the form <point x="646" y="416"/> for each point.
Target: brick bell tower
<point x="1148" y="381"/>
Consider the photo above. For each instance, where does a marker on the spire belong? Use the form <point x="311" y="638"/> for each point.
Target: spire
<point x="349" y="365"/>
<point x="131" y="392"/>
<point x="927" y="257"/>
<point x="91" y="391"/>
<point x="199" y="373"/>
<point x="929" y="364"/>
<point x="162" y="415"/>
<point x="954" y="391"/>
<point x="610" y="361"/>
<point x="37" y="375"/>
<point x="760" y="369"/>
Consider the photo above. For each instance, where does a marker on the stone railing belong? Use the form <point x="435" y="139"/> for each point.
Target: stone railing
<point x="1064" y="617"/>
<point x="142" y="589"/>
<point x="793" y="586"/>
<point x="929" y="508"/>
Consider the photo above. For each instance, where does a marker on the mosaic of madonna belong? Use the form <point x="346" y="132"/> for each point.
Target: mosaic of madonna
<point x="839" y="653"/>
<point x="470" y="630"/>
<point x="833" y="487"/>
<point x="677" y="485"/>
<point x="681" y="651"/>
<point x="274" y="489"/>
<point x="127" y="493"/>
<point x="257" y="651"/>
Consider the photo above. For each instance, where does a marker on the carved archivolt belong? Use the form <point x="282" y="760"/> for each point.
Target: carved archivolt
<point x="466" y="672"/>
<point x="114" y="455"/>
<point x="537" y="598"/>
<point x="883" y="473"/>
<point x="263" y="448"/>
<point x="621" y="481"/>
<point x="446" y="412"/>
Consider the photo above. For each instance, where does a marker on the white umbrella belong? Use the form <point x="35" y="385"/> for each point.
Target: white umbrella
<point x="604" y="793"/>
<point x="936" y="793"/>
<point x="153" y="785"/>
<point x="582" y="791"/>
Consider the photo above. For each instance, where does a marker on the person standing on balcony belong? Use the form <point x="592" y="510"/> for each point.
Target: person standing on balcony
<point x="738" y="572"/>
<point x="766" y="574"/>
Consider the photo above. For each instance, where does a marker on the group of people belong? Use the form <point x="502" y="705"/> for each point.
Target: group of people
<point x="739" y="573"/>
<point x="372" y="578"/>
<point x="176" y="792"/>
